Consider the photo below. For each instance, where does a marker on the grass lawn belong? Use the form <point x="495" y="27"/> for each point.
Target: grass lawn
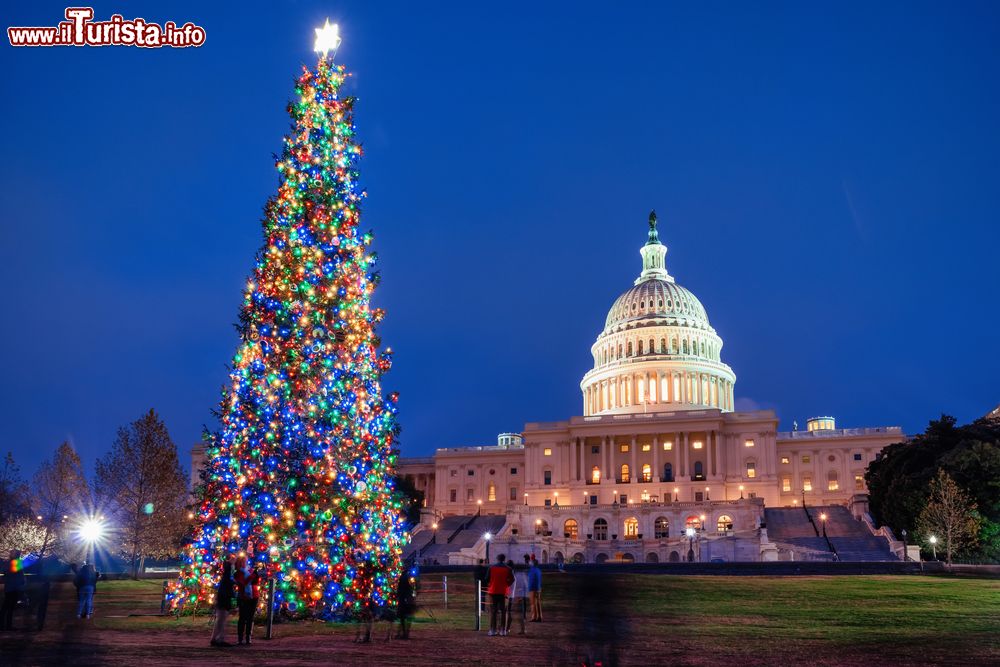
<point x="657" y="620"/>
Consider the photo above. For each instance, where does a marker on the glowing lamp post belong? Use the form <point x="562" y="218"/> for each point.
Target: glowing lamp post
<point x="822" y="517"/>
<point x="556" y="504"/>
<point x="933" y="540"/>
<point x="92" y="532"/>
<point x="487" y="537"/>
<point x="690" y="532"/>
<point x="479" y="508"/>
<point x="525" y="498"/>
<point x="741" y="492"/>
<point x="434" y="526"/>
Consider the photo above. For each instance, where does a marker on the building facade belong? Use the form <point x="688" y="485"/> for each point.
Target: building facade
<point x="659" y="446"/>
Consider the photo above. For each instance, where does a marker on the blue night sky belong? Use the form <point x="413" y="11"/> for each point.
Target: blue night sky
<point x="827" y="180"/>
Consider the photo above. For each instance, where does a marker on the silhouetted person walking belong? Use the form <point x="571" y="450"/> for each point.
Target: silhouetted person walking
<point x="223" y="602"/>
<point x="86" y="585"/>
<point x="535" y="591"/>
<point x="14" y="583"/>
<point x="407" y="595"/>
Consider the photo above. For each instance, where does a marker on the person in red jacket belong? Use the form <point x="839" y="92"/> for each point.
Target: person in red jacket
<point x="247" y="596"/>
<point x="500" y="579"/>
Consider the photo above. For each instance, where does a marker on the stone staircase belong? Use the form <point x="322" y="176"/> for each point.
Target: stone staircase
<point x="454" y="534"/>
<point x="851" y="540"/>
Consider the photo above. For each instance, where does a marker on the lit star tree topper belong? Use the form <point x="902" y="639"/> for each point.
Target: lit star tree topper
<point x="299" y="476"/>
<point x="327" y="39"/>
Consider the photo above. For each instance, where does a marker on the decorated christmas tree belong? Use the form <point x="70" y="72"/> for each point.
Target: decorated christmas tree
<point x="299" y="477"/>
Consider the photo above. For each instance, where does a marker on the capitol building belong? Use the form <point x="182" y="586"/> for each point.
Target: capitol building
<point x="659" y="465"/>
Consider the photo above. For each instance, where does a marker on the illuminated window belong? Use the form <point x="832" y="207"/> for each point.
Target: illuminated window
<point x="541" y="525"/>
<point x="642" y="383"/>
<point x="784" y="459"/>
<point x="661" y="528"/>
<point x="748" y="443"/>
<point x="807" y="484"/>
<point x="600" y="529"/>
<point x="571" y="530"/>
<point x="595" y="475"/>
<point x="548" y="478"/>
<point x="724" y="525"/>
<point x="647" y="448"/>
<point x="751" y="469"/>
<point x="832" y="483"/>
<point x="631" y="527"/>
<point x="693" y="521"/>
<point x="696" y="444"/>
<point x="806" y="459"/>
<point x="624" y="478"/>
<point x="647" y="472"/>
<point x="786" y="483"/>
<point x="491" y="493"/>
<point x="699" y="470"/>
<point x="859" y="483"/>
<point x="623" y="448"/>
<point x="667" y="446"/>
<point x="547" y="452"/>
<point x="644" y="496"/>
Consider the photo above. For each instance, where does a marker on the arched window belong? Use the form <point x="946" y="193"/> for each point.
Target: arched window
<point x="571" y="529"/>
<point x="668" y="472"/>
<point x="631" y="528"/>
<point x="699" y="471"/>
<point x="692" y="521"/>
<point x="624" y="478"/>
<point x="724" y="525"/>
<point x="703" y="348"/>
<point x="619" y="350"/>
<point x="491" y="492"/>
<point x="541" y="526"/>
<point x="832" y="482"/>
<point x="600" y="529"/>
<point x="647" y="472"/>
<point x="639" y="349"/>
<point x="663" y="346"/>
<point x="652" y="346"/>
<point x="661" y="528"/>
<point x="685" y="346"/>
<point x="595" y="475"/>
<point x="673" y="346"/>
<point x="628" y="349"/>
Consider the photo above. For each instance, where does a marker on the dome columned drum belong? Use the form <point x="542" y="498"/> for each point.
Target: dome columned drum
<point x="657" y="352"/>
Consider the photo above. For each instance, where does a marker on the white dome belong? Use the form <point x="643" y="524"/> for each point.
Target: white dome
<point x="657" y="350"/>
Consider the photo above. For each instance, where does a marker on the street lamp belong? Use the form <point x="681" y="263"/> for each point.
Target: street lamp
<point x="906" y="555"/>
<point x="703" y="522"/>
<point x="92" y="532"/>
<point x="556" y="504"/>
<point x="614" y="497"/>
<point x="690" y="532"/>
<point x="435" y="538"/>
<point x="584" y="497"/>
<point x="741" y="492"/>
<point x="706" y="494"/>
<point x="933" y="540"/>
<point x="822" y="517"/>
<point x="479" y="509"/>
<point x="525" y="498"/>
<point x="676" y="490"/>
<point x="487" y="536"/>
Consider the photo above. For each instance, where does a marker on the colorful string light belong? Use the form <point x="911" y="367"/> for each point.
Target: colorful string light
<point x="299" y="478"/>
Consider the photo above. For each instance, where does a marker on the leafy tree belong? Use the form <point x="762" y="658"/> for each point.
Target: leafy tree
<point x="411" y="497"/>
<point x="969" y="454"/>
<point x="60" y="497"/>
<point x="142" y="487"/>
<point x="23" y="533"/>
<point x="949" y="514"/>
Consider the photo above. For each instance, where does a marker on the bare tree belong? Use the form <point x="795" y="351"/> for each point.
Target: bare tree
<point x="949" y="514"/>
<point x="14" y="500"/>
<point x="141" y="485"/>
<point x="60" y="497"/>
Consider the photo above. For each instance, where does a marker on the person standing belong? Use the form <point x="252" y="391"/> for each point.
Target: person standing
<point x="407" y="596"/>
<point x="14" y="583"/>
<point x="500" y="580"/>
<point x="480" y="579"/>
<point x="247" y="596"/>
<point x="223" y="602"/>
<point x="535" y="591"/>
<point x="86" y="585"/>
